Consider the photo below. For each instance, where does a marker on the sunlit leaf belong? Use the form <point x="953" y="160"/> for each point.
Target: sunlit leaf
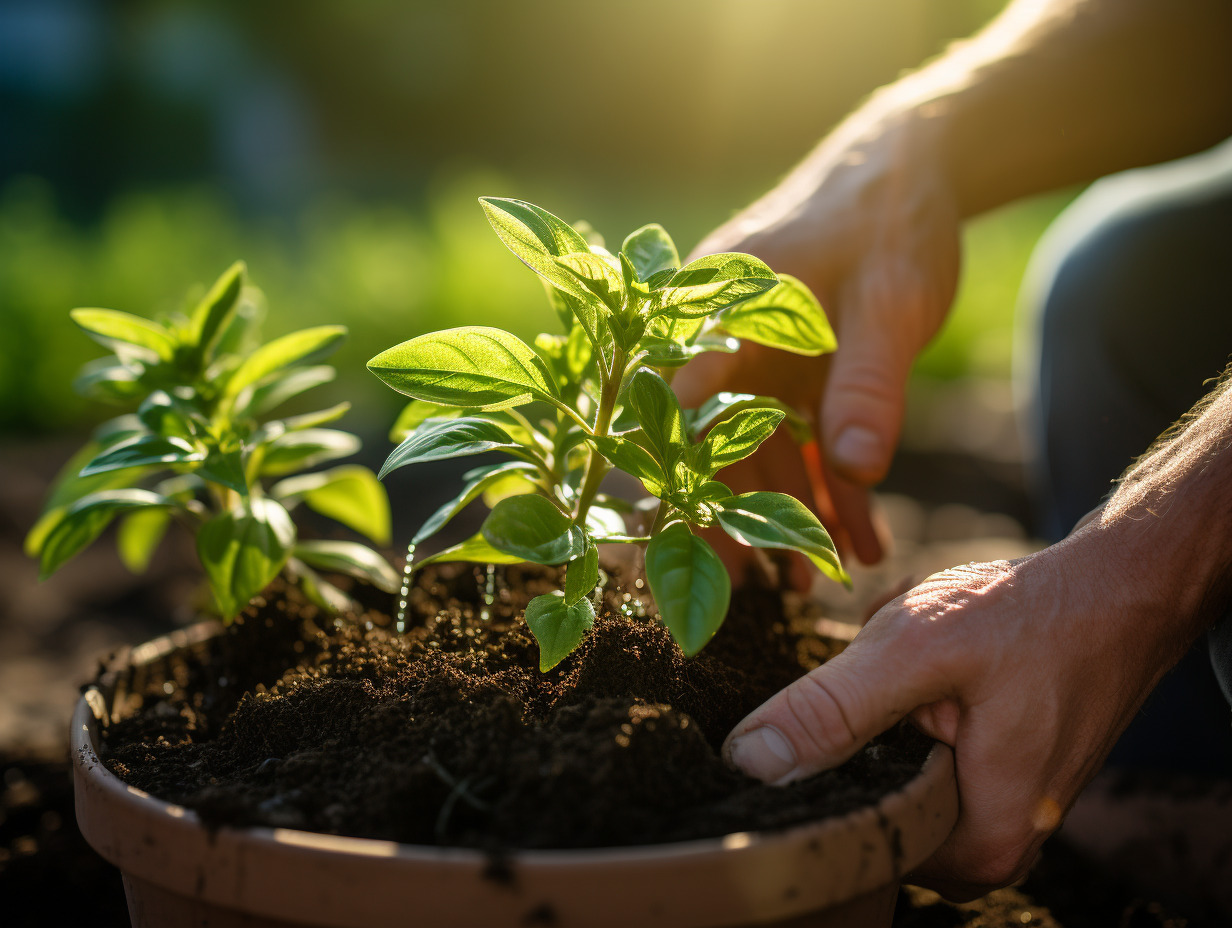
<point x="658" y="413"/>
<point x="242" y="550"/>
<point x="216" y="309"/>
<point x="349" y="494"/>
<point x="294" y="451"/>
<point x="474" y="550"/>
<point x="786" y="316"/>
<point x="142" y="451"/>
<point x="633" y="459"/>
<point x="538" y="238"/>
<point x="533" y="529"/>
<point x="764" y="519"/>
<point x="139" y="536"/>
<point x="477" y="481"/>
<point x="85" y="520"/>
<point x="291" y="383"/>
<point x="735" y="438"/>
<point x="650" y="250"/>
<point x="582" y="575"/>
<point x="712" y="283"/>
<point x="125" y="333"/>
<point x="295" y="348"/>
<point x="349" y="557"/>
<point x="558" y="627"/>
<point x="471" y="366"/>
<point x="439" y="439"/>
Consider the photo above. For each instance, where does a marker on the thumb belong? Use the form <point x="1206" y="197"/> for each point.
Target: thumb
<point x="862" y="409"/>
<point x="824" y="717"/>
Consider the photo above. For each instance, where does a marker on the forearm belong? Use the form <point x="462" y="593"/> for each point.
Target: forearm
<point x="1055" y="92"/>
<point x="1165" y="535"/>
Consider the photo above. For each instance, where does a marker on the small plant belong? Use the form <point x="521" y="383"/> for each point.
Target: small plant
<point x="201" y="446"/>
<point x="577" y="404"/>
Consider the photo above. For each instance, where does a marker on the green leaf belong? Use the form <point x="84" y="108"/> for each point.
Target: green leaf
<point x="597" y="275"/>
<point x="295" y="348"/>
<point x="291" y="383"/>
<point x="712" y="283"/>
<point x="349" y="557"/>
<point x="586" y="311"/>
<point x="139" y="536"/>
<point x="68" y="487"/>
<point x="477" y="481"/>
<point x="109" y="380"/>
<point x="242" y="550"/>
<point x="319" y="591"/>
<point x="660" y="351"/>
<point x="726" y="404"/>
<point x="735" y="438"/>
<point x="144" y="451"/>
<point x="690" y="586"/>
<point x="471" y="366"/>
<point x="602" y="521"/>
<point x="658" y="413"/>
<point x="650" y="250"/>
<point x="635" y="460"/>
<point x="167" y="415"/>
<point x="474" y="550"/>
<point x="533" y="529"/>
<point x="320" y="417"/>
<point x="582" y="575"/>
<point x="438" y="439"/>
<point x="538" y="238"/>
<point x="294" y="451"/>
<point x="124" y="332"/>
<point x="215" y="311"/>
<point x="85" y="520"/>
<point x="558" y="627"/>
<point x="775" y="520"/>
<point x="349" y="494"/>
<point x="226" y="468"/>
<point x="786" y="316"/>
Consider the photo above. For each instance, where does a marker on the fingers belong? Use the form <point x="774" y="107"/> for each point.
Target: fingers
<point x="862" y="408"/>
<point x="823" y="718"/>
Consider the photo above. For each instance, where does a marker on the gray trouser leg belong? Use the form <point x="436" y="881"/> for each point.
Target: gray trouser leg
<point x="1127" y="317"/>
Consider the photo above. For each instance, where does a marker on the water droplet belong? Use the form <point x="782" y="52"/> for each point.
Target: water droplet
<point x="168" y="687"/>
<point x="639" y="583"/>
<point x="489" y="593"/>
<point x="408" y="571"/>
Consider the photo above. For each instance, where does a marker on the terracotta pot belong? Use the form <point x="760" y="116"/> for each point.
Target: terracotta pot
<point x="837" y="872"/>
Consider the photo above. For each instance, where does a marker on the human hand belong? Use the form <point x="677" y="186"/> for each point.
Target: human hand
<point x="870" y="224"/>
<point x="1029" y="669"/>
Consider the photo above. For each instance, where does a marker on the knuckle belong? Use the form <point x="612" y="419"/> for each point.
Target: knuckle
<point x="821" y="726"/>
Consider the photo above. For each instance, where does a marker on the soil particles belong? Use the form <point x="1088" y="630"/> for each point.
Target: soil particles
<point x="448" y="734"/>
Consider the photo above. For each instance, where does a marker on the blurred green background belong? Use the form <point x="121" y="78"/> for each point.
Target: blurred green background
<point x="339" y="149"/>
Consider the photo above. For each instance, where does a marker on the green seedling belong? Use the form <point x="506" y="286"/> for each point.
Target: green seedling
<point x="202" y="446"/>
<point x="571" y="407"/>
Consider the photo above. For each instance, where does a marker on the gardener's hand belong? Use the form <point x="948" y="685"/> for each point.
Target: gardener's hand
<point x="1030" y="669"/>
<point x="870" y="224"/>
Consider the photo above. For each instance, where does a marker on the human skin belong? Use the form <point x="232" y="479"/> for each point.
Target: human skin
<point x="1029" y="669"/>
<point x="1050" y="94"/>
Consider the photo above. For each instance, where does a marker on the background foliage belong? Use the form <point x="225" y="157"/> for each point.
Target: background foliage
<point x="340" y="151"/>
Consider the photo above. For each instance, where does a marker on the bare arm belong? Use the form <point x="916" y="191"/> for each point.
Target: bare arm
<point x="1052" y="92"/>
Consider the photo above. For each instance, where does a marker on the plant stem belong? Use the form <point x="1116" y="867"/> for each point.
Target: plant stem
<point x="597" y="464"/>
<point x="660" y="518"/>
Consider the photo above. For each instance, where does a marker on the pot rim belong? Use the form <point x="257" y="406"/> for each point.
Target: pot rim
<point x="894" y="836"/>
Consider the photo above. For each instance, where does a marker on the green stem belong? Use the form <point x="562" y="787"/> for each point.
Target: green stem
<point x="597" y="465"/>
<point x="660" y="518"/>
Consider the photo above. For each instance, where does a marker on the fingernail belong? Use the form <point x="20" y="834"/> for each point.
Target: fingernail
<point x="858" y="448"/>
<point x="763" y="753"/>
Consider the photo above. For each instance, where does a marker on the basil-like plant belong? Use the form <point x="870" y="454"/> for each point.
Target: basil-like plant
<point x="202" y="445"/>
<point x="573" y="406"/>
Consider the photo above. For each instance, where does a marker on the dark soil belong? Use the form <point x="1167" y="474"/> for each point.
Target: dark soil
<point x="449" y="734"/>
